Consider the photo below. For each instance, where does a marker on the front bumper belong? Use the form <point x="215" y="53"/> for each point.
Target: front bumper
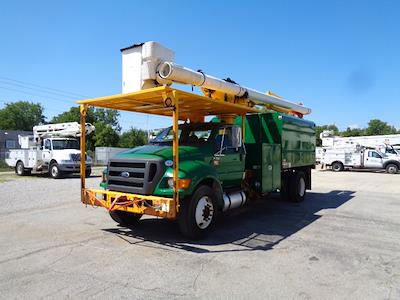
<point x="140" y="204"/>
<point x="72" y="167"/>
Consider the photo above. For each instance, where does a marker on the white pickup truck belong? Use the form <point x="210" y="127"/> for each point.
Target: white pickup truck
<point x="52" y="149"/>
<point x="361" y="158"/>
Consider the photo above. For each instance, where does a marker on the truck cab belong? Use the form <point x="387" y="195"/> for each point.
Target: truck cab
<point x="208" y="151"/>
<point x="62" y="156"/>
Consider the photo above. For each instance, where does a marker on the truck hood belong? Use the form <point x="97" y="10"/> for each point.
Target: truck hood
<point x="165" y="152"/>
<point x="64" y="154"/>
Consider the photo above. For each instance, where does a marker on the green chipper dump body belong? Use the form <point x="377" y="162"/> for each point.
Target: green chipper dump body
<point x="275" y="144"/>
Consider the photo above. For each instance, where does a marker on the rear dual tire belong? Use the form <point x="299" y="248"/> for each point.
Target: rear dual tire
<point x="337" y="166"/>
<point x="293" y="186"/>
<point x="20" y="169"/>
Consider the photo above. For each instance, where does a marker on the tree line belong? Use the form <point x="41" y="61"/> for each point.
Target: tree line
<point x="23" y="115"/>
<point x="375" y="127"/>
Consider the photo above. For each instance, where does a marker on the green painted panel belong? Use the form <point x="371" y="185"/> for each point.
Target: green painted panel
<point x="271" y="167"/>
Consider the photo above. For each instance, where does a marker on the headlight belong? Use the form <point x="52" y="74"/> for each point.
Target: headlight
<point x="170" y="182"/>
<point x="183" y="183"/>
<point x="104" y="176"/>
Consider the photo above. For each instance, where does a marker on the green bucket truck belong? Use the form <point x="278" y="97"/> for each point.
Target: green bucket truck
<point x="195" y="170"/>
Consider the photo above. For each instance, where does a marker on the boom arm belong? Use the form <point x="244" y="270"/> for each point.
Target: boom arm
<point x="168" y="71"/>
<point x="70" y="129"/>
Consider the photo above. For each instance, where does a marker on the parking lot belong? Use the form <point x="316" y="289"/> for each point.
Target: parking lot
<point x="343" y="242"/>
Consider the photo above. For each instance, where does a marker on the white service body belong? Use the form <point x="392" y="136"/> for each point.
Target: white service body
<point x="383" y="143"/>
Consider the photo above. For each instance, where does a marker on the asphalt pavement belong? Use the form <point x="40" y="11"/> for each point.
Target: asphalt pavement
<point x="342" y="242"/>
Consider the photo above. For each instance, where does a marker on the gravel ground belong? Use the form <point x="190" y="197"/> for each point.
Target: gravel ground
<point x="342" y="242"/>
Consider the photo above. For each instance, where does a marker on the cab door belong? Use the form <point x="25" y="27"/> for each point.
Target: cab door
<point x="229" y="156"/>
<point x="373" y="160"/>
<point x="46" y="151"/>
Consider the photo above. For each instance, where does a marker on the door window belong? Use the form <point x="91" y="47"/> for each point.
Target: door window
<point x="47" y="144"/>
<point x="373" y="154"/>
<point x="228" y="139"/>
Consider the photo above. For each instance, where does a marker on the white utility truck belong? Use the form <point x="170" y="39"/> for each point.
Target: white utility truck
<point x="360" y="157"/>
<point x="52" y="149"/>
<point x="383" y="143"/>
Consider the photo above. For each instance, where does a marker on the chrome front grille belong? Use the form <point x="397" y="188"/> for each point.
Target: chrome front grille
<point x="136" y="176"/>
<point x="77" y="157"/>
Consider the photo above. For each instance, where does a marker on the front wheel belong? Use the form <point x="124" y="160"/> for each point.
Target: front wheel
<point x="392" y="168"/>
<point x="198" y="213"/>
<point x="55" y="171"/>
<point x="125" y="218"/>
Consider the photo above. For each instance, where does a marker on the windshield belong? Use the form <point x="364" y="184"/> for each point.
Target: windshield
<point x="187" y="133"/>
<point x="65" y="144"/>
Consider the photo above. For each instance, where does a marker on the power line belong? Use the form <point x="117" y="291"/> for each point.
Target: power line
<point x="35" y="94"/>
<point x="34" y="89"/>
<point x="47" y="88"/>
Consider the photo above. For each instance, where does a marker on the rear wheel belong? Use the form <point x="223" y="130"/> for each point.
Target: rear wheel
<point x="198" y="213"/>
<point x="392" y="168"/>
<point x="285" y="185"/>
<point x="20" y="169"/>
<point x="297" y="187"/>
<point x="337" y="166"/>
<point x="125" y="218"/>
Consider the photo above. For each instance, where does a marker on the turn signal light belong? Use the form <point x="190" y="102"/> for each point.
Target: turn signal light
<point x="184" y="183"/>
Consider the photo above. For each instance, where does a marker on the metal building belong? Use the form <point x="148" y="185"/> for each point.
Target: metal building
<point x="9" y="140"/>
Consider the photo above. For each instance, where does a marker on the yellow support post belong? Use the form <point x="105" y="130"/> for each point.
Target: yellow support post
<point x="175" y="147"/>
<point x="83" y="110"/>
<point x="243" y="127"/>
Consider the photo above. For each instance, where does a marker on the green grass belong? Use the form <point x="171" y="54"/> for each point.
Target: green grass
<point x="4" y="167"/>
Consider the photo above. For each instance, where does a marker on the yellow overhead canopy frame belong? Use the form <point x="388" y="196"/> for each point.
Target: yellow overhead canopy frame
<point x="163" y="101"/>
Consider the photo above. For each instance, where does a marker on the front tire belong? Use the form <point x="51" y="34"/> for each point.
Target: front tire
<point x="392" y="168"/>
<point x="198" y="214"/>
<point x="125" y="218"/>
<point x="55" y="171"/>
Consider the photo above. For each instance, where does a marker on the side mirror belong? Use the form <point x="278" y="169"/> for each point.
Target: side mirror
<point x="236" y="137"/>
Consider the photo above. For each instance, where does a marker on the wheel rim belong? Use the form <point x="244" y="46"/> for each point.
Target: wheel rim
<point x="19" y="169"/>
<point x="204" y="212"/>
<point x="54" y="171"/>
<point x="392" y="169"/>
<point x="336" y="167"/>
<point x="302" y="187"/>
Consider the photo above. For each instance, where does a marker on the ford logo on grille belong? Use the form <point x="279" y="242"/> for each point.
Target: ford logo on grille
<point x="125" y="174"/>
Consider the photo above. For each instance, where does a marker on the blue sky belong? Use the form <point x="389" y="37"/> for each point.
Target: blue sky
<point x="340" y="58"/>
